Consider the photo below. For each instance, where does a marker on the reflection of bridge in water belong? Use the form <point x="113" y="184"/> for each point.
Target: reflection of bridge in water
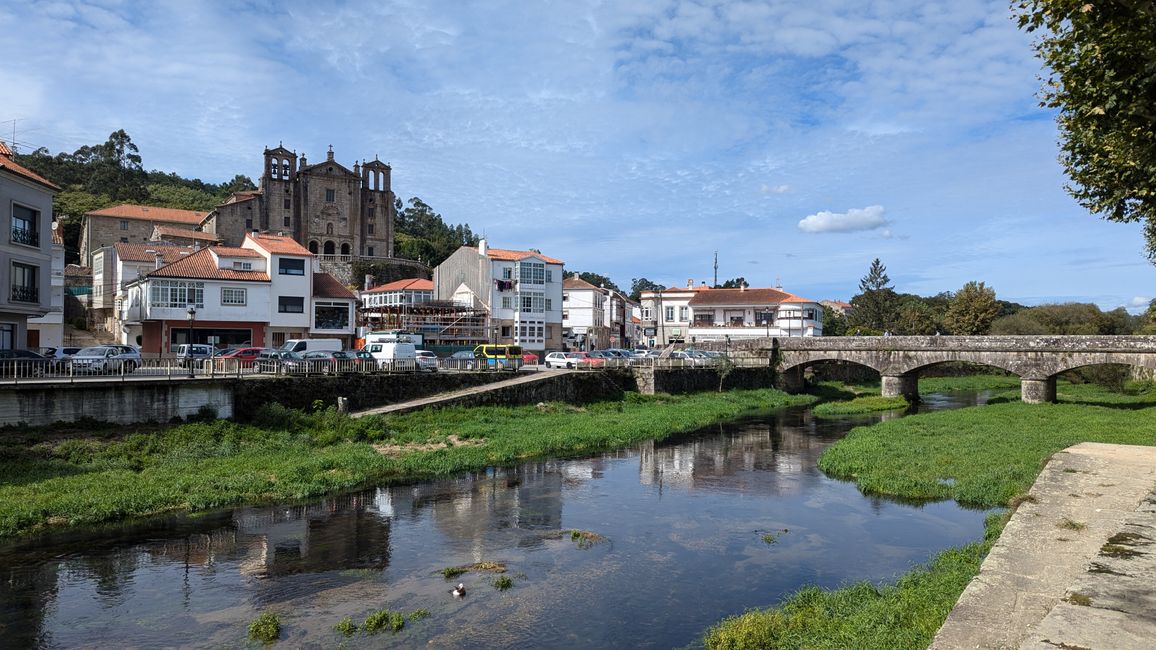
<point x="1037" y="360"/>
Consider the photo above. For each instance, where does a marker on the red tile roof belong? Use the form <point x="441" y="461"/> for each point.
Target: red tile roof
<point x="413" y="284"/>
<point x="147" y="252"/>
<point x="327" y="286"/>
<point x="202" y="265"/>
<point x="151" y="213"/>
<point x="744" y="297"/>
<point x="514" y="256"/>
<point x="232" y="251"/>
<point x="172" y="231"/>
<point x="6" y="163"/>
<point x="278" y="244"/>
<point x="578" y="283"/>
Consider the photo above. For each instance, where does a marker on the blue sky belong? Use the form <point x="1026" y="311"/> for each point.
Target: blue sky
<point x="633" y="139"/>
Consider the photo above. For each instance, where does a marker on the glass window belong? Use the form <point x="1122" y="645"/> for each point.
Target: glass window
<point x="507" y="302"/>
<point x="670" y="314"/>
<point x="176" y="294"/>
<point x="290" y="305"/>
<point x="287" y="221"/>
<point x="232" y="296"/>
<point x="507" y="273"/>
<point x="330" y="196"/>
<point x="25" y="283"/>
<point x="683" y="314"/>
<point x="331" y="315"/>
<point x="549" y="304"/>
<point x="369" y="251"/>
<point x="549" y="275"/>
<point x="647" y="313"/>
<point x="369" y="228"/>
<point x="288" y="204"/>
<point x="288" y="266"/>
<point x="25" y="226"/>
<point x="532" y="272"/>
<point x="124" y="224"/>
<point x="532" y="301"/>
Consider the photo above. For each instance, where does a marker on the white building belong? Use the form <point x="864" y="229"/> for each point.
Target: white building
<point x="114" y="268"/>
<point x="25" y="252"/>
<point x="694" y="314"/>
<point x="584" y="319"/>
<point x="409" y="291"/>
<point x="262" y="293"/>
<point x="49" y="328"/>
<point x="521" y="291"/>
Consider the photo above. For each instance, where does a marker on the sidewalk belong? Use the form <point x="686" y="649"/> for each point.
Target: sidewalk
<point x="1075" y="566"/>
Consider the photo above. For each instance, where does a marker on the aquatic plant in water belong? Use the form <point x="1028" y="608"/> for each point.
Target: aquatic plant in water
<point x="383" y="619"/>
<point x="584" y="539"/>
<point x="346" y="626"/>
<point x="266" y="628"/>
<point x="502" y="583"/>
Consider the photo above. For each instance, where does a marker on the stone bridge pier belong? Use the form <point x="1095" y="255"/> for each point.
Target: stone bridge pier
<point x="906" y="385"/>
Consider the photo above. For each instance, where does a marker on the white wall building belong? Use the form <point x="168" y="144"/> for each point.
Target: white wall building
<point x="521" y="290"/>
<point x="694" y="314"/>
<point x="584" y="318"/>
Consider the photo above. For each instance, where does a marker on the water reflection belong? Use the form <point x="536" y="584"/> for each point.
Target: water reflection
<point x="683" y="519"/>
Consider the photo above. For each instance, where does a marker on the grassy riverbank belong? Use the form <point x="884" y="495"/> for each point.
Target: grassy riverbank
<point x="50" y="478"/>
<point x="983" y="456"/>
<point x="860" y="405"/>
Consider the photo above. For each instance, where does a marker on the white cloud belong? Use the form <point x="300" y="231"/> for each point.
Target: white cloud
<point x="774" y="189"/>
<point x="1141" y="301"/>
<point x="853" y="220"/>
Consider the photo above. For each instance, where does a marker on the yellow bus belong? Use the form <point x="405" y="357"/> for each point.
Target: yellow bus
<point x="499" y="357"/>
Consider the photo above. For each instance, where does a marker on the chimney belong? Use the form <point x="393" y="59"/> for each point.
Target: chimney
<point x="482" y="247"/>
<point x="742" y="286"/>
<point x="690" y="283"/>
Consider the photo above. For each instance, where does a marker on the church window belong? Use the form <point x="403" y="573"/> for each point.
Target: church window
<point x="372" y="212"/>
<point x="288" y="222"/>
<point x="369" y="251"/>
<point x="330" y="196"/>
<point x="369" y="228"/>
<point x="288" y="203"/>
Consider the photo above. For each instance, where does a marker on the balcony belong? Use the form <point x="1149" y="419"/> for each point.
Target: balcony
<point x="25" y="293"/>
<point x="26" y="236"/>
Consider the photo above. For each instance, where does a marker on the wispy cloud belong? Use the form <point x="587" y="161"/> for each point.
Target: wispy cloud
<point x="853" y="220"/>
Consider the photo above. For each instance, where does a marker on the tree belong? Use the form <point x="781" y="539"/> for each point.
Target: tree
<point x="638" y="285"/>
<point x="916" y="317"/>
<point x="736" y="283"/>
<point x="1101" y="57"/>
<point x="115" y="168"/>
<point x="874" y="307"/>
<point x="598" y="280"/>
<point x="834" y="323"/>
<point x="972" y="310"/>
<point x="1067" y="318"/>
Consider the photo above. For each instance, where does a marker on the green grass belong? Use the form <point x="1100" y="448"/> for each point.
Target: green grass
<point x="48" y="479"/>
<point x="985" y="456"/>
<point x="860" y="405"/>
<point x="968" y="382"/>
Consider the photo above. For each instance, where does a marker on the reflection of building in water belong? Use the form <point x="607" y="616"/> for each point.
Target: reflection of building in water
<point x="527" y="497"/>
<point x="786" y="446"/>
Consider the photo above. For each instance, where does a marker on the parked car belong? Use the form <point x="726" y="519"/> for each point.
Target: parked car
<point x="191" y="355"/>
<point x="23" y="363"/>
<point x="235" y="358"/>
<point x="334" y="362"/>
<point x="563" y="359"/>
<point x="59" y="356"/>
<point x="587" y="360"/>
<point x="463" y="360"/>
<point x="529" y="359"/>
<point x="426" y="360"/>
<point x="281" y="362"/>
<point x="105" y="359"/>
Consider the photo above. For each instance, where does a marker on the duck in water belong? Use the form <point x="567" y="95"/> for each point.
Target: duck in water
<point x="459" y="590"/>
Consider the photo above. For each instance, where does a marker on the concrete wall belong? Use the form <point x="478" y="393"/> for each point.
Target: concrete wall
<point x="121" y="403"/>
<point x="692" y="380"/>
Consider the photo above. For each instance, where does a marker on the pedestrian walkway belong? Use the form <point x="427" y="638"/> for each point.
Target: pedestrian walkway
<point x="466" y="394"/>
<point x="1075" y="566"/>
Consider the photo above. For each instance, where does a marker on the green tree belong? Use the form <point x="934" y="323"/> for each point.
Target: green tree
<point x="115" y="168"/>
<point x="834" y="323"/>
<point x="875" y="305"/>
<point x="735" y="283"/>
<point x="598" y="280"/>
<point x="972" y="310"/>
<point x="916" y="317"/>
<point x="638" y="285"/>
<point x="1066" y="318"/>
<point x="1101" y="57"/>
<point x="421" y="234"/>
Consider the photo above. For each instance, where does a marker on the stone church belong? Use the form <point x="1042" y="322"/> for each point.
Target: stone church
<point x="326" y="207"/>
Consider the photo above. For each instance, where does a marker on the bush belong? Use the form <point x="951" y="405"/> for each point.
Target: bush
<point x="266" y="628"/>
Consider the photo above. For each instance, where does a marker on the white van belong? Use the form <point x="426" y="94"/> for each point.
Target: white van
<point x="301" y="346"/>
<point x="393" y="352"/>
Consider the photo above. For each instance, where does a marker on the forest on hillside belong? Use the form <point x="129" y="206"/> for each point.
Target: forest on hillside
<point x="102" y="175"/>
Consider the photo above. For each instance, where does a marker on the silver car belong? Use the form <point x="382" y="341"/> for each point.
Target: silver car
<point x="105" y="359"/>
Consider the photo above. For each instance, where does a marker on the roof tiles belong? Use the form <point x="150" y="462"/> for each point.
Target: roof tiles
<point x="327" y="286"/>
<point x="412" y="284"/>
<point x="151" y="213"/>
<point x="202" y="265"/>
<point x="278" y="244"/>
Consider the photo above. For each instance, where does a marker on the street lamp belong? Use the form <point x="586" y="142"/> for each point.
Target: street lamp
<point x="192" y="314"/>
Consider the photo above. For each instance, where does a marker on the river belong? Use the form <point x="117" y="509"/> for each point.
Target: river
<point x="689" y="531"/>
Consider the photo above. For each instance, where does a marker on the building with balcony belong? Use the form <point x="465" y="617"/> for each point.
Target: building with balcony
<point x="262" y="293"/>
<point x="520" y="290"/>
<point x="25" y="251"/>
<point x="698" y="314"/>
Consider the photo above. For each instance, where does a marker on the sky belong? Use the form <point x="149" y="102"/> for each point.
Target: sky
<point x="798" y="140"/>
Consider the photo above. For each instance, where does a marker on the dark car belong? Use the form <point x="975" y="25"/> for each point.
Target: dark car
<point x="333" y="362"/>
<point x="23" y="363"/>
<point x="280" y="361"/>
<point x="463" y="360"/>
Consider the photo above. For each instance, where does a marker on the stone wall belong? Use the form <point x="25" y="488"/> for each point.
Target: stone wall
<point x="122" y="403"/>
<point x="363" y="391"/>
<point x="693" y="380"/>
<point x="570" y="387"/>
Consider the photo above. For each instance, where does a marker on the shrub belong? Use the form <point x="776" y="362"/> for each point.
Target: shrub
<point x="266" y="628"/>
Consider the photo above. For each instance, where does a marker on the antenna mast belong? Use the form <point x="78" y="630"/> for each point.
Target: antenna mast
<point x="715" y="269"/>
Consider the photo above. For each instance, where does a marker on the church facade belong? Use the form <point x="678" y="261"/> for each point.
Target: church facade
<point x="326" y="207"/>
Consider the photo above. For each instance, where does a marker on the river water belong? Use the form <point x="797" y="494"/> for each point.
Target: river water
<point x="693" y="529"/>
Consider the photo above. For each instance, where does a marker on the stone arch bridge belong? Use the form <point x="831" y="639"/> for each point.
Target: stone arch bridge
<point x="899" y="359"/>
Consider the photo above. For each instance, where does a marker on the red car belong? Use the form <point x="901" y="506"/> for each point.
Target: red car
<point x="529" y="359"/>
<point x="584" y="360"/>
<point x="237" y="358"/>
